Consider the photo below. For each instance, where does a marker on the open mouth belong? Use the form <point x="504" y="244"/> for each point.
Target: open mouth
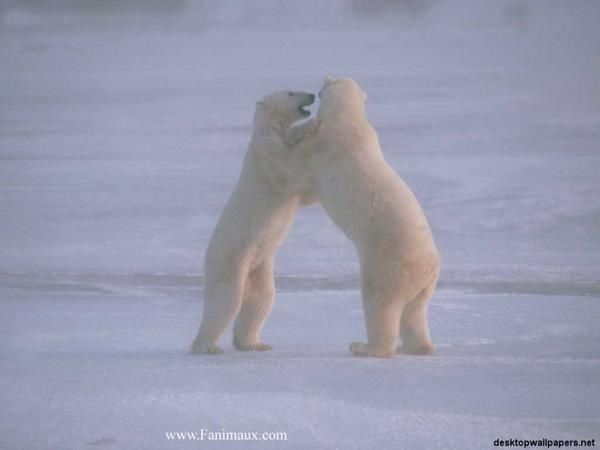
<point x="308" y="102"/>
<point x="303" y="111"/>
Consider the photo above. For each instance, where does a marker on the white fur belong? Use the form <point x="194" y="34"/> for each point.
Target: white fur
<point x="238" y="269"/>
<point x="375" y="208"/>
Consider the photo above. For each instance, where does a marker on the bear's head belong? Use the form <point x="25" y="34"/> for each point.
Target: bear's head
<point x="282" y="108"/>
<point x="341" y="94"/>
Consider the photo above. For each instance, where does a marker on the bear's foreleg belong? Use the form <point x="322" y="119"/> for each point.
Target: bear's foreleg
<point x="294" y="135"/>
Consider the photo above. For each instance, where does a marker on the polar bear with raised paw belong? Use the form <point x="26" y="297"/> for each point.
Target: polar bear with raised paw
<point x="375" y="208"/>
<point x="238" y="269"/>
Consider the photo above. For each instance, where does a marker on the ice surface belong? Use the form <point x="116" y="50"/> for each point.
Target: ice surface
<point x="121" y="136"/>
<point x="90" y="358"/>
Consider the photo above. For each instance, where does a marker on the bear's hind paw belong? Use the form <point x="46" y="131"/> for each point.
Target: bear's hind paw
<point x="362" y="350"/>
<point x="423" y="350"/>
<point x="256" y="347"/>
<point x="206" y="349"/>
<point x="359" y="349"/>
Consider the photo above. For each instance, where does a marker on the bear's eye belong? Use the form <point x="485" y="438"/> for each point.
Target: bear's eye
<point x="290" y="93"/>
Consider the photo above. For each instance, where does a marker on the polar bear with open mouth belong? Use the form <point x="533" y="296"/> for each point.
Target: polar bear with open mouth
<point x="238" y="269"/>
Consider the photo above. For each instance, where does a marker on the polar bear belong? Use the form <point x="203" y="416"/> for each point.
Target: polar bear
<point x="377" y="211"/>
<point x="238" y="269"/>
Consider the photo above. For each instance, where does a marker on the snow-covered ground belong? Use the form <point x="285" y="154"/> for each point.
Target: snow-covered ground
<point x="120" y="144"/>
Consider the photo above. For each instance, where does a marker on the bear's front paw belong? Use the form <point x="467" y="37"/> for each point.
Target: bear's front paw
<point x="206" y="349"/>
<point x="254" y="347"/>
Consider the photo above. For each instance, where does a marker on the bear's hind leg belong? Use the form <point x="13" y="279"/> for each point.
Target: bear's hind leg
<point x="414" y="328"/>
<point x="258" y="298"/>
<point x="382" y="317"/>
<point x="222" y="300"/>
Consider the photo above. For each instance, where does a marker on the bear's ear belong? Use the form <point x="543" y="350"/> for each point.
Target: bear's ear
<point x="329" y="79"/>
